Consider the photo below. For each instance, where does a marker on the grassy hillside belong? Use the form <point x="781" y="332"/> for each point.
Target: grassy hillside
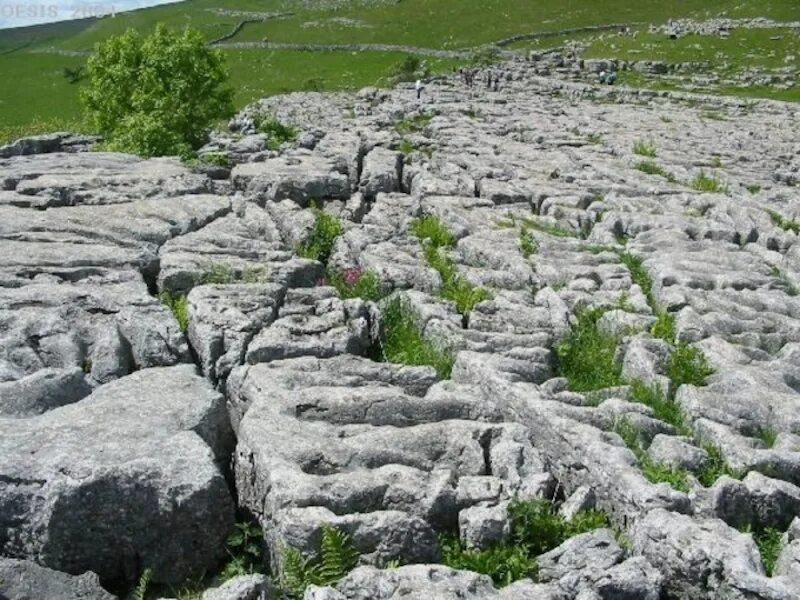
<point x="41" y="97"/>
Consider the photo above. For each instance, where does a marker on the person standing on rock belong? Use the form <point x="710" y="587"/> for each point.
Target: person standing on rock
<point x="419" y="88"/>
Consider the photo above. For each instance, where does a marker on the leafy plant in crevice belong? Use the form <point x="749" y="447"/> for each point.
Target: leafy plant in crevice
<point x="586" y="355"/>
<point x="337" y="558"/>
<point x="536" y="528"/>
<point x="678" y="479"/>
<point x="357" y="283"/>
<point x="688" y="365"/>
<point x="704" y="183"/>
<point x="244" y="546"/>
<point x="179" y="305"/>
<point x="432" y="229"/>
<point x="766" y="435"/>
<point x="220" y="274"/>
<point x="527" y="243"/>
<point x="403" y="342"/>
<point x="319" y="243"/>
<point x="715" y="467"/>
<point x="277" y="133"/>
<point x="413" y="124"/>
<point x="664" y="327"/>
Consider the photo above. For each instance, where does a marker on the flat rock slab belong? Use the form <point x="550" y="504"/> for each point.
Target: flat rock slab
<point x="123" y="480"/>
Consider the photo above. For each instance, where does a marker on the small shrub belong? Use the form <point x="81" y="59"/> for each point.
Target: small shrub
<point x="753" y="189"/>
<point x="407" y="148"/>
<point x="688" y="365"/>
<point x="504" y="564"/>
<point x="645" y="149"/>
<point x="665" y="409"/>
<point x="586" y="355"/>
<point x="244" y="546"/>
<point x="337" y="558"/>
<point x="156" y="95"/>
<point x="402" y="341"/>
<point x="639" y="275"/>
<point x="463" y="294"/>
<point x="770" y="543"/>
<point x="704" y="183"/>
<point x="277" y="133"/>
<point x="179" y="305"/>
<point x="527" y="243"/>
<point x="357" y="283"/>
<point x="594" y="138"/>
<point x="652" y="168"/>
<point x="74" y="75"/>
<point x="319" y="244"/>
<point x="485" y="56"/>
<point x="218" y="159"/>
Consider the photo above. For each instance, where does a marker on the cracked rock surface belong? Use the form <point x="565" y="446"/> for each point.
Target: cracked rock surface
<point x="130" y="434"/>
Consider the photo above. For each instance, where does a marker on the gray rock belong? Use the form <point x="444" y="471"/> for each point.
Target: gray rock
<point x="138" y="461"/>
<point x="775" y="503"/>
<point x="381" y="172"/>
<point x="580" y="500"/>
<point x="582" y="559"/>
<point x="244" y="587"/>
<point x="25" y="580"/>
<point x="677" y="452"/>
<point x="484" y="526"/>
<point x="42" y="391"/>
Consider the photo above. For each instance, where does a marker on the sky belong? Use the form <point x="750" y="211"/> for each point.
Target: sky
<point x="19" y="13"/>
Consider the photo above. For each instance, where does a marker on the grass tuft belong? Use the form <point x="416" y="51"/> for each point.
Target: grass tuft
<point x="527" y="243"/>
<point x="770" y="543"/>
<point x="586" y="355"/>
<point x="414" y="124"/>
<point x="645" y="149"/>
<point x="432" y="229"/>
<point x="402" y="340"/>
<point x="665" y="409"/>
<point x="715" y="467"/>
<point x="357" y="283"/>
<point x="664" y="327"/>
<point x="704" y="183"/>
<point x="784" y="223"/>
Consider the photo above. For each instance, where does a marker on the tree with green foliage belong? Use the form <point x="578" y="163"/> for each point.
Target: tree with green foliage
<point x="156" y="95"/>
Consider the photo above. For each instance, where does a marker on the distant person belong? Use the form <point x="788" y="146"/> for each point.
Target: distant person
<point x="488" y="80"/>
<point x="611" y="79"/>
<point x="497" y="82"/>
<point x="601" y="78"/>
<point x="419" y="88"/>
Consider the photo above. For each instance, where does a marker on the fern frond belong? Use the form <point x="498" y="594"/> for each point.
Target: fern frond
<point x="296" y="573"/>
<point x="339" y="555"/>
<point x="140" y="593"/>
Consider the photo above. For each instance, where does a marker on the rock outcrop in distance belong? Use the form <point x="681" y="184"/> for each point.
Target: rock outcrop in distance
<point x="130" y="434"/>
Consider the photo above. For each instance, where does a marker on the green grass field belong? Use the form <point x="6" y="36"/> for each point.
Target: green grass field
<point x="41" y="97"/>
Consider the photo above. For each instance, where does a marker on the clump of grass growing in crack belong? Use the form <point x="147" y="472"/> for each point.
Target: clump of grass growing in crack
<point x="651" y="168"/>
<point x="277" y="133"/>
<point x="664" y="327"/>
<point x="753" y="189"/>
<point x="140" y="592"/>
<point x="527" y="243"/>
<point x="790" y="288"/>
<point x="704" y="183"/>
<point x="770" y="543"/>
<point x="414" y="124"/>
<point x="319" y="244"/>
<point x="402" y="340"/>
<point x="688" y="365"/>
<point x="406" y="147"/>
<point x="715" y="467"/>
<point x="337" y="558"/>
<point x="431" y="231"/>
<point x="244" y="546"/>
<point x="664" y="408"/>
<point x="645" y="149"/>
<point x="784" y="223"/>
<point x="357" y="283"/>
<point x="179" y="305"/>
<point x="594" y="138"/>
<point x="586" y="355"/>
<point x="639" y="274"/>
<point x="766" y="435"/>
<point x="536" y="528"/>
<point x="678" y="479"/>
<point x="223" y="274"/>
